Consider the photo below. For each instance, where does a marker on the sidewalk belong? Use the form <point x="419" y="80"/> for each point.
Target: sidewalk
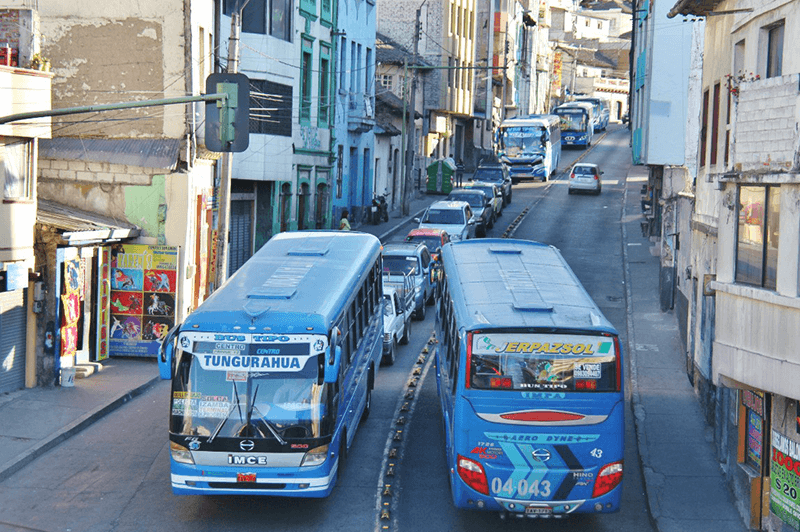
<point x="34" y="420"/>
<point x="685" y="487"/>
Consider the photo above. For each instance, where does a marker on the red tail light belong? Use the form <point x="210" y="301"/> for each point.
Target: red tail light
<point x="609" y="478"/>
<point x="473" y="475"/>
<point x="596" y="177"/>
<point x="572" y="176"/>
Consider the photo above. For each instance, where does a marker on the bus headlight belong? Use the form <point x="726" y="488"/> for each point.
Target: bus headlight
<point x="180" y="453"/>
<point x="315" y="457"/>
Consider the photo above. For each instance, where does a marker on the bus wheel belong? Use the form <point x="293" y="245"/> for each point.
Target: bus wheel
<point x="388" y="358"/>
<point x="367" y="402"/>
<point x="406" y="333"/>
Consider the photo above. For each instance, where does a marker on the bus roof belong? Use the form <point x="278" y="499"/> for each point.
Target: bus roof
<point x="517" y="283"/>
<point x="532" y="120"/>
<point x="296" y="281"/>
<point x="572" y="105"/>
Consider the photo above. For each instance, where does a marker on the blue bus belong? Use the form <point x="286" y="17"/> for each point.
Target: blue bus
<point x="577" y="123"/>
<point x="530" y="380"/>
<point x="600" y="110"/>
<point x="272" y="373"/>
<point x="530" y="147"/>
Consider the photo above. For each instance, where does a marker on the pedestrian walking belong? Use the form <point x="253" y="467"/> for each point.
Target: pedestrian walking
<point x="459" y="172"/>
<point x="344" y="223"/>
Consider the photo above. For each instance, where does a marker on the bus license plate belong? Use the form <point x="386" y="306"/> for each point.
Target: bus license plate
<point x="245" y="477"/>
<point x="538" y="510"/>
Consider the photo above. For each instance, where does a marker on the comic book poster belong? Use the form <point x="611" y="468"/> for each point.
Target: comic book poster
<point x="138" y="283"/>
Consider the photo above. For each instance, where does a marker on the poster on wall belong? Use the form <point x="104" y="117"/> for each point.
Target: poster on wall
<point x="784" y="495"/>
<point x="72" y="289"/>
<point x="137" y="287"/>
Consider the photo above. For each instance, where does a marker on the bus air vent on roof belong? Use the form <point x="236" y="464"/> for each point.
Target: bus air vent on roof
<point x="529" y="306"/>
<point x="312" y="247"/>
<point x="507" y="251"/>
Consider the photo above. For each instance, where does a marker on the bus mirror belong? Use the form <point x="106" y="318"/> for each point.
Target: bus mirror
<point x="332" y="367"/>
<point x="165" y="359"/>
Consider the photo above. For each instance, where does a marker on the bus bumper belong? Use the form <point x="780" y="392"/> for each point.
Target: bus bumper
<point x="274" y="483"/>
<point x="521" y="508"/>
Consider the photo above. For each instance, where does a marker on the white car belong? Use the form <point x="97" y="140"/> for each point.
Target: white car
<point x="585" y="177"/>
<point x="455" y="217"/>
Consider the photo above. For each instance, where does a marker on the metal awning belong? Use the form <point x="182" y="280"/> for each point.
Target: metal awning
<point x="146" y="153"/>
<point x="83" y="227"/>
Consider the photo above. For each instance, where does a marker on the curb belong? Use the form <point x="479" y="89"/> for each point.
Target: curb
<point x="83" y="422"/>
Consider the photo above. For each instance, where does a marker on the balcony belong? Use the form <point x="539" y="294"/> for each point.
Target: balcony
<point x="360" y="113"/>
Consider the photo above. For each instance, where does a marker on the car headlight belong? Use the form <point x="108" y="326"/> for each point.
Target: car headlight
<point x="315" y="456"/>
<point x="180" y="453"/>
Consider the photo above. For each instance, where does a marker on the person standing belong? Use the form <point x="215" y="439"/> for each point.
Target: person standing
<point x="344" y="224"/>
<point x="459" y="173"/>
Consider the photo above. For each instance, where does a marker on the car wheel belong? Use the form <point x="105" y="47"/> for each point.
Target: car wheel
<point x="419" y="315"/>
<point x="569" y="191"/>
<point x="509" y="198"/>
<point x="490" y="224"/>
<point x="388" y="358"/>
<point x="406" y="333"/>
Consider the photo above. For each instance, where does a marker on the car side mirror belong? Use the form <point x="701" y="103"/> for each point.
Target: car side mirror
<point x="416" y="220"/>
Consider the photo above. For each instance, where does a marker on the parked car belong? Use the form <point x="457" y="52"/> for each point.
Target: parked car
<point x="585" y="177"/>
<point x="455" y="217"/>
<point x="415" y="260"/>
<point x="433" y="238"/>
<point x="398" y="305"/>
<point x="496" y="173"/>
<point x="482" y="209"/>
<point x="492" y="191"/>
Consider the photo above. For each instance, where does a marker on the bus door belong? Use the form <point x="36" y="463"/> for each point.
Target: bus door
<point x="544" y="419"/>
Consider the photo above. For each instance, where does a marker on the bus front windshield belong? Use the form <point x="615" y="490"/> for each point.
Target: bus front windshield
<point x="572" y="120"/>
<point x="522" y="141"/>
<point x="226" y="402"/>
<point x="543" y="362"/>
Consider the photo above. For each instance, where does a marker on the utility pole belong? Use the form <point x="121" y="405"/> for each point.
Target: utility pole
<point x="226" y="167"/>
<point x="411" y="135"/>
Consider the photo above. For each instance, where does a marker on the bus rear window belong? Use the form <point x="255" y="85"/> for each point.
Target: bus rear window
<point x="543" y="362"/>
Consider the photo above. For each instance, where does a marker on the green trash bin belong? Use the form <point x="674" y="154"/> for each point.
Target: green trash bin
<point x="441" y="176"/>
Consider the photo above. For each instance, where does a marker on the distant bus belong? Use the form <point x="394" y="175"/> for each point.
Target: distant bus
<point x="530" y="380"/>
<point x="577" y="127"/>
<point x="530" y="147"/>
<point x="272" y="373"/>
<point x="600" y="110"/>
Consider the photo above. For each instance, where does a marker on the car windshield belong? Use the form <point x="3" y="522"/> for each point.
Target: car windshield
<point x="444" y="216"/>
<point x="489" y="191"/>
<point x="474" y="200"/>
<point x="400" y="264"/>
<point x="583" y="170"/>
<point x="433" y="242"/>
<point x="493" y="175"/>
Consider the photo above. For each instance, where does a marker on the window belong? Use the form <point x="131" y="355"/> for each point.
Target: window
<point x="280" y="21"/>
<point x="386" y="81"/>
<point x="16" y="168"/>
<point x="324" y="84"/>
<point x="309" y="7"/>
<point x="343" y="65"/>
<point x="368" y="72"/>
<point x="758" y="235"/>
<point x="775" y="50"/>
<point x="325" y="11"/>
<point x="715" y="125"/>
<point x="270" y="108"/>
<point x="305" y="83"/>
<point x="704" y="130"/>
<point x="254" y="15"/>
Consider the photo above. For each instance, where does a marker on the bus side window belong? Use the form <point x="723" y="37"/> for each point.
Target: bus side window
<point x="454" y="372"/>
<point x="359" y="310"/>
<point x="347" y="341"/>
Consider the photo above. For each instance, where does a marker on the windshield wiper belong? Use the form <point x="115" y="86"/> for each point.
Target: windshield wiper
<point x="269" y="425"/>
<point x="227" y="416"/>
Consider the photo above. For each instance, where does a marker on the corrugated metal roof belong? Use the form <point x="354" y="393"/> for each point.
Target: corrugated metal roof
<point x="79" y="225"/>
<point x="693" y="7"/>
<point x="389" y="51"/>
<point x="147" y="153"/>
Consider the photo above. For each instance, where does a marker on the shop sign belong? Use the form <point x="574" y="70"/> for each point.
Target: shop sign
<point x="784" y="495"/>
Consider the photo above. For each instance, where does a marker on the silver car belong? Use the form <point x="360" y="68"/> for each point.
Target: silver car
<point x="585" y="177"/>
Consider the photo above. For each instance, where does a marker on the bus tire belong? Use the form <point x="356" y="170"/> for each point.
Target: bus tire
<point x="368" y="398"/>
<point x="388" y="358"/>
<point x="406" y="333"/>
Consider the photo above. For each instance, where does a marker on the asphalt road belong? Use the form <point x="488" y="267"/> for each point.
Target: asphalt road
<point x="114" y="476"/>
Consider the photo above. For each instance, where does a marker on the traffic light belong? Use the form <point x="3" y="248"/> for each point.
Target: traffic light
<point x="228" y="119"/>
